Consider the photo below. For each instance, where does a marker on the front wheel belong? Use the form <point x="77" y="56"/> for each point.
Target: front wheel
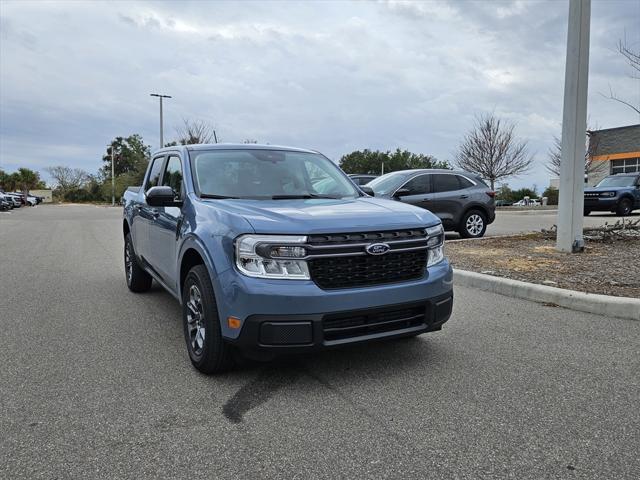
<point x="624" y="207"/>
<point x="208" y="352"/>
<point x="473" y="224"/>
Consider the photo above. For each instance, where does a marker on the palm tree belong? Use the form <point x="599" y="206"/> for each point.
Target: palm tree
<point x="27" y="179"/>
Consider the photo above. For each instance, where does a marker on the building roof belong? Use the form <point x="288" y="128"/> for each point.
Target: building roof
<point x="617" y="140"/>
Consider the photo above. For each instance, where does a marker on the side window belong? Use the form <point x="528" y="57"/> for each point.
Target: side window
<point x="418" y="185"/>
<point x="464" y="182"/>
<point x="445" y="183"/>
<point x="154" y="173"/>
<point x="172" y="176"/>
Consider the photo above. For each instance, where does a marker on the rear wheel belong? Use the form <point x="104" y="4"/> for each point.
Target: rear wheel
<point x="208" y="352"/>
<point x="624" y="207"/>
<point x="473" y="224"/>
<point x="137" y="279"/>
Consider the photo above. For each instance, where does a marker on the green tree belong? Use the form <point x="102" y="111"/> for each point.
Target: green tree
<point x="27" y="179"/>
<point x="130" y="155"/>
<point x="370" y="162"/>
<point x="552" y="195"/>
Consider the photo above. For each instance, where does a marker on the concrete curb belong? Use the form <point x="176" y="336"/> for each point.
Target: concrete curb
<point x="621" y="307"/>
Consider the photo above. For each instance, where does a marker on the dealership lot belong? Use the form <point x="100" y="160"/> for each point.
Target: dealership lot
<point x="96" y="381"/>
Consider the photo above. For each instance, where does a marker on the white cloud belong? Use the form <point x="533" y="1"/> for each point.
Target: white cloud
<point x="334" y="76"/>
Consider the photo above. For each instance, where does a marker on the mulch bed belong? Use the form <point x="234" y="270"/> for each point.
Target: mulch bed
<point x="608" y="268"/>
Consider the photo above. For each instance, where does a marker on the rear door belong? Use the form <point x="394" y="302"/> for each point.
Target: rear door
<point x="451" y="197"/>
<point x="164" y="227"/>
<point x="420" y="192"/>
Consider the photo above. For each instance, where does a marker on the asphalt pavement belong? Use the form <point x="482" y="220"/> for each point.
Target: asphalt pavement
<point x="96" y="383"/>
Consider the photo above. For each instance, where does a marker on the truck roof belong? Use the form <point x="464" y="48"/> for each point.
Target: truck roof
<point x="232" y="146"/>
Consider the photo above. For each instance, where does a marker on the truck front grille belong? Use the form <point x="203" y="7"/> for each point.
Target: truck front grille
<point x="341" y="260"/>
<point x="367" y="322"/>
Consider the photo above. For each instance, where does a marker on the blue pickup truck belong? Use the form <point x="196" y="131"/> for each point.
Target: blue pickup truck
<point x="274" y="250"/>
<point x="618" y="193"/>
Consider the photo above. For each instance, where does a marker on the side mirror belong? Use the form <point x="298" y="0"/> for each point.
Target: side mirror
<point x="368" y="190"/>
<point x="162" y="197"/>
<point x="401" y="192"/>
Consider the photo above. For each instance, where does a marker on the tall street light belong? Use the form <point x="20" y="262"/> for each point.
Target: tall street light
<point x="113" y="180"/>
<point x="161" y="131"/>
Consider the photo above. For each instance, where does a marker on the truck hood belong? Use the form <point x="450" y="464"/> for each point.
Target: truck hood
<point x="327" y="216"/>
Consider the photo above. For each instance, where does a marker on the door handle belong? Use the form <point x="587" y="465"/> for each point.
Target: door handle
<point x="464" y="196"/>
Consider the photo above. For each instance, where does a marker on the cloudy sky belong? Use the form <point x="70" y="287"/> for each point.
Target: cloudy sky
<point x="334" y="76"/>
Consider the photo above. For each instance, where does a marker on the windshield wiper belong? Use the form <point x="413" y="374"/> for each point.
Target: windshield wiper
<point x="220" y="197"/>
<point x="303" y="196"/>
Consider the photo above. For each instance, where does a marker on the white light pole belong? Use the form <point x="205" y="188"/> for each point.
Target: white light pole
<point x="113" y="180"/>
<point x="574" y="126"/>
<point x="161" y="129"/>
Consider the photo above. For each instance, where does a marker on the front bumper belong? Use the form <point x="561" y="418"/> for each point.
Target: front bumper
<point x="604" y="204"/>
<point x="281" y="316"/>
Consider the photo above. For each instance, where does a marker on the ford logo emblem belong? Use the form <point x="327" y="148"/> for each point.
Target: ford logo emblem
<point x="377" y="248"/>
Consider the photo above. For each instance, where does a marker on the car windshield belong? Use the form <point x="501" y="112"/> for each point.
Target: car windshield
<point x="618" y="181"/>
<point x="388" y="183"/>
<point x="268" y="174"/>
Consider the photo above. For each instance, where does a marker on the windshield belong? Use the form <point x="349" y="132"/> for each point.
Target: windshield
<point x="268" y="174"/>
<point x="388" y="183"/>
<point x="618" y="181"/>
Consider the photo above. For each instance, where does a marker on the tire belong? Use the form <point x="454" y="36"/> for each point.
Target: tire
<point x="138" y="280"/>
<point x="624" y="207"/>
<point x="210" y="354"/>
<point x="586" y="212"/>
<point x="473" y="224"/>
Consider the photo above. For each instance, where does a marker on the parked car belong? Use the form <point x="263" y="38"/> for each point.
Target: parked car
<point x="273" y="250"/>
<point x="360" y="179"/>
<point x="5" y="203"/>
<point x="460" y="199"/>
<point x="532" y="202"/>
<point x="503" y="203"/>
<point x="618" y="193"/>
<point x="17" y="200"/>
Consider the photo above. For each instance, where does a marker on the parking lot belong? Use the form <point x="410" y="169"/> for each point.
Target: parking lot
<point x="96" y="382"/>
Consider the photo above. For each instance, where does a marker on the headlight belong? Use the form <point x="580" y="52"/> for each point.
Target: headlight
<point x="435" y="242"/>
<point x="608" y="194"/>
<point x="272" y="256"/>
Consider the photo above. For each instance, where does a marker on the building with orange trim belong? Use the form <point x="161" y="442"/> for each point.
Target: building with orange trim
<point x="617" y="148"/>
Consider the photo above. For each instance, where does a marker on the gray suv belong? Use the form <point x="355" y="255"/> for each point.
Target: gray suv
<point x="462" y="200"/>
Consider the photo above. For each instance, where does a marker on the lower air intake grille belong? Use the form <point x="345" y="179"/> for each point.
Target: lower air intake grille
<point x="367" y="322"/>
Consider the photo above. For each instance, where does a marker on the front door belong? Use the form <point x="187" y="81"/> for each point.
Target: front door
<point x="418" y="192"/>
<point x="144" y="214"/>
<point x="163" y="234"/>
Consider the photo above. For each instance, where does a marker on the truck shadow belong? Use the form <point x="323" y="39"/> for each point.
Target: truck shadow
<point x="353" y="365"/>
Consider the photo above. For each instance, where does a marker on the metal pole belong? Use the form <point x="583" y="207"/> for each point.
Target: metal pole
<point x="113" y="180"/>
<point x="161" y="119"/>
<point x="161" y="133"/>
<point x="574" y="126"/>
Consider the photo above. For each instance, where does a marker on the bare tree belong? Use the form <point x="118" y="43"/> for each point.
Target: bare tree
<point x="633" y="59"/>
<point x="67" y="178"/>
<point x="492" y="150"/>
<point x="196" y="131"/>
<point x="590" y="166"/>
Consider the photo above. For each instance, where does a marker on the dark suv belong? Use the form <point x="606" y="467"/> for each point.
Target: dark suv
<point x="461" y="199"/>
<point x="618" y="193"/>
